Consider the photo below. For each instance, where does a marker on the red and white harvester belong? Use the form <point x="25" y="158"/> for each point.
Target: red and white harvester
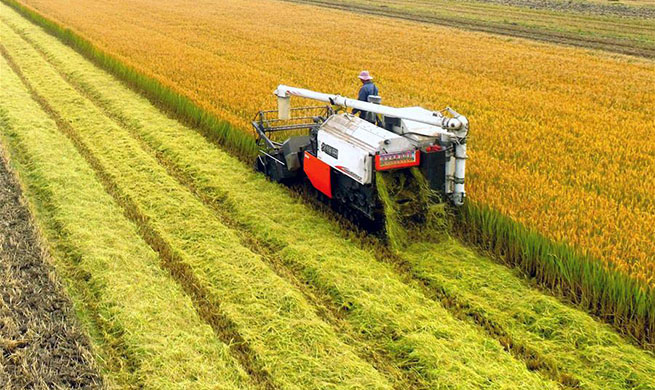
<point x="339" y="152"/>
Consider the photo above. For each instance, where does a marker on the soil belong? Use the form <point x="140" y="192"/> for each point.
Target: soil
<point x="42" y="345"/>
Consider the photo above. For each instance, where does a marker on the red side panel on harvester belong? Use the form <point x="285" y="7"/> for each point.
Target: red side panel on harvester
<point x="318" y="173"/>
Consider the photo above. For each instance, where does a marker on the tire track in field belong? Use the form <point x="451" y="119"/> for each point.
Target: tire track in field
<point x="609" y="45"/>
<point x="209" y="310"/>
<point x="325" y="308"/>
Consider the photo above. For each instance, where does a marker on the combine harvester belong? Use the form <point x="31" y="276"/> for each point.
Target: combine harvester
<point x="343" y="156"/>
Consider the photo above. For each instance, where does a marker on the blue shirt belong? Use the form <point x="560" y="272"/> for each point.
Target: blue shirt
<point x="368" y="89"/>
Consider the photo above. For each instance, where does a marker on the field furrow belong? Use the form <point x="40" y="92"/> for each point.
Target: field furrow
<point x="143" y="328"/>
<point x="392" y="315"/>
<point x="265" y="316"/>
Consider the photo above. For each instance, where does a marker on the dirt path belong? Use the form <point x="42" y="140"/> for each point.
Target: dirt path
<point x="42" y="344"/>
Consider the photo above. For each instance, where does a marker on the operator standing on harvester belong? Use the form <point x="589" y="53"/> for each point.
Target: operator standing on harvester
<point x="367" y="89"/>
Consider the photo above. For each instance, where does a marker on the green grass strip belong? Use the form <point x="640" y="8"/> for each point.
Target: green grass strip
<point x="290" y="343"/>
<point x="417" y="332"/>
<point x="608" y="293"/>
<point x="567" y="342"/>
<point x="145" y="331"/>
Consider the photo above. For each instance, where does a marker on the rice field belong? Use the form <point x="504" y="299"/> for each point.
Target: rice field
<point x="550" y="123"/>
<point x="189" y="270"/>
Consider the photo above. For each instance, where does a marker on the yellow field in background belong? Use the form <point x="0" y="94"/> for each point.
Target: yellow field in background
<point x="561" y="139"/>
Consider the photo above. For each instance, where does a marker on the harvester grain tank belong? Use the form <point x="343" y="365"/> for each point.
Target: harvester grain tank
<point x="339" y="153"/>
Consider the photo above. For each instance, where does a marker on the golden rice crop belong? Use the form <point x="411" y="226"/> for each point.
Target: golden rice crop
<point x="562" y="139"/>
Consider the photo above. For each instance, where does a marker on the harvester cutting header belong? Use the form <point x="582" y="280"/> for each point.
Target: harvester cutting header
<point x="339" y="153"/>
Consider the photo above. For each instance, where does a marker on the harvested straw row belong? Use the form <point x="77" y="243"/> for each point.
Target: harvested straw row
<point x="560" y="340"/>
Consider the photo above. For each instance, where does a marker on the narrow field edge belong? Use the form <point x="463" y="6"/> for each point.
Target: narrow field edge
<point x="208" y="309"/>
<point x="603" y="291"/>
